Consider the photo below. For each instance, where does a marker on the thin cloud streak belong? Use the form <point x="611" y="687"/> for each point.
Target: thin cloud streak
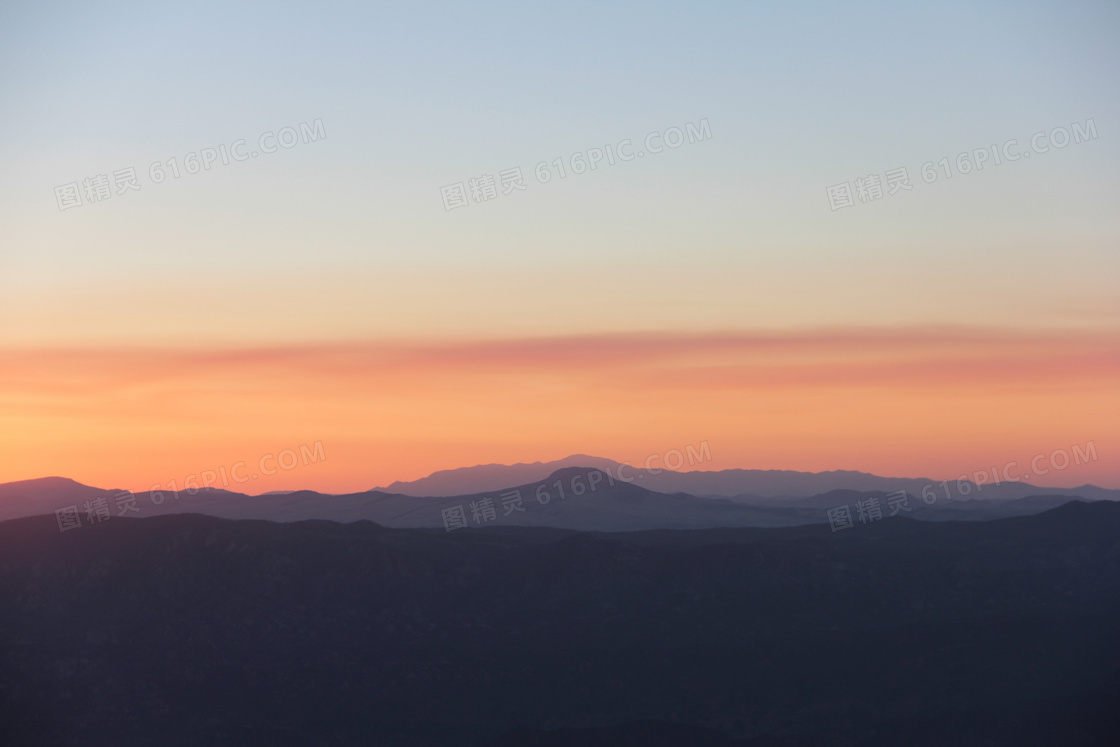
<point x="923" y="400"/>
<point x="922" y="356"/>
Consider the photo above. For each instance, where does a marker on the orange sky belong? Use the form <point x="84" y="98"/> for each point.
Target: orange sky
<point x="917" y="401"/>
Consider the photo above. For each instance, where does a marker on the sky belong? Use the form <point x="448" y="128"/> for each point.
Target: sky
<point x="338" y="272"/>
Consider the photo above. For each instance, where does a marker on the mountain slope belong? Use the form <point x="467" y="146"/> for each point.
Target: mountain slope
<point x="186" y="629"/>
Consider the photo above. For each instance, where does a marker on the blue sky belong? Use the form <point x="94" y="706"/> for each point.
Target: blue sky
<point x="799" y="96"/>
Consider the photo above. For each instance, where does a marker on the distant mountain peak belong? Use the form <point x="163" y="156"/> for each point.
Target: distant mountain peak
<point x="44" y="482"/>
<point x="482" y="478"/>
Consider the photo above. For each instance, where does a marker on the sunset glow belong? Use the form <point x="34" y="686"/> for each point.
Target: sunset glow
<point x="936" y="402"/>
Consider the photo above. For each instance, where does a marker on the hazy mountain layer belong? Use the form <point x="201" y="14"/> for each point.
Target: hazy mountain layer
<point x="727" y="483"/>
<point x="583" y="498"/>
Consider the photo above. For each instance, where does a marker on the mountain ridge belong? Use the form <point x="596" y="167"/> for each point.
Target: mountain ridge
<point x="728" y="483"/>
<point x="575" y="498"/>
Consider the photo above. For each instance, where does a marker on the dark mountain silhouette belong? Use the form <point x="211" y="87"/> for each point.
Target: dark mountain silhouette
<point x="182" y="630"/>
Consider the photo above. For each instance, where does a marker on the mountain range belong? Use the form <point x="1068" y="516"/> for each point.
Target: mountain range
<point x="586" y="493"/>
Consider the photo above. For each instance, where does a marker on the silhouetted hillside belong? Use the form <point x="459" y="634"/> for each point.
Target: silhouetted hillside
<point x="194" y="630"/>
